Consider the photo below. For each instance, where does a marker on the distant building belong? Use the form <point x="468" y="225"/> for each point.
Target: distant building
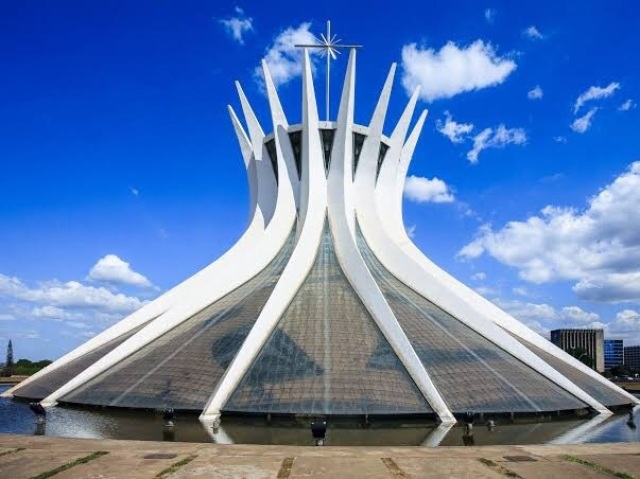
<point x="632" y="357"/>
<point x="613" y="353"/>
<point x="580" y="343"/>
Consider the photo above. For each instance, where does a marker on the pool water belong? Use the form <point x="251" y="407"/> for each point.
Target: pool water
<point x="17" y="418"/>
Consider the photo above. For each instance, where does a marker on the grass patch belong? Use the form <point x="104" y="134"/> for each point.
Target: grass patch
<point x="285" y="469"/>
<point x="598" y="467"/>
<point x="69" y="465"/>
<point x="175" y="466"/>
<point x="11" y="452"/>
<point x="498" y="468"/>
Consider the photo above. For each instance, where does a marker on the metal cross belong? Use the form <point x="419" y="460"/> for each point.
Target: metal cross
<point x="329" y="46"/>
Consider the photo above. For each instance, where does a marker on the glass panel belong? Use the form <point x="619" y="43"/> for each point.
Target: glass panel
<point x="595" y="389"/>
<point x="296" y="140"/>
<point x="273" y="156"/>
<point x="383" y="152"/>
<point x="43" y="386"/>
<point x="471" y="373"/>
<point x="327" y="144"/>
<point x="182" y="368"/>
<point x="327" y="356"/>
<point x="358" y="141"/>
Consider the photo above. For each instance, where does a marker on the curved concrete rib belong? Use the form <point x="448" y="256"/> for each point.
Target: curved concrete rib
<point x="389" y="192"/>
<point x="250" y="255"/>
<point x="301" y="260"/>
<point x="342" y="223"/>
<point x="164" y="302"/>
<point x="279" y="119"/>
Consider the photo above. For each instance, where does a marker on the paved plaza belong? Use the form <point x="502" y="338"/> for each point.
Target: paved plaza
<point x="26" y="457"/>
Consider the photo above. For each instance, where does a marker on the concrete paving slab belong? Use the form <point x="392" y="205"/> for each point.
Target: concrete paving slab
<point x="553" y="470"/>
<point x="445" y="468"/>
<point x="121" y="465"/>
<point x="28" y="463"/>
<point x="229" y="467"/>
<point x="348" y="468"/>
<point x="627" y="463"/>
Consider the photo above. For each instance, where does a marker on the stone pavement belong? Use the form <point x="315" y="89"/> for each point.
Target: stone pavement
<point x="26" y="457"/>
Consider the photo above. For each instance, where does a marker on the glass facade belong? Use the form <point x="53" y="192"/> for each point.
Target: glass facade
<point x="181" y="368"/>
<point x="43" y="386"/>
<point x="591" y="386"/>
<point x="470" y="372"/>
<point x="327" y="356"/>
<point x="613" y="353"/>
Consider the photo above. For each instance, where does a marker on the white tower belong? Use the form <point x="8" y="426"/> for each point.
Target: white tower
<point x="324" y="305"/>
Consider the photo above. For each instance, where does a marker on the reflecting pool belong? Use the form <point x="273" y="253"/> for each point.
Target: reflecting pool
<point x="16" y="418"/>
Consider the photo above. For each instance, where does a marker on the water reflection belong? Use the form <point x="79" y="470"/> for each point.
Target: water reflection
<point x="16" y="418"/>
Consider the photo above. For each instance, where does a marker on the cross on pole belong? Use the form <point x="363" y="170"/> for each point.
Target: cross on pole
<point x="329" y="46"/>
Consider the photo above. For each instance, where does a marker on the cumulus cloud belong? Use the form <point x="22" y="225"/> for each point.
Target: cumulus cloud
<point x="495" y="138"/>
<point x="543" y="317"/>
<point x="425" y="190"/>
<point x="112" y="269"/>
<point x="595" y="93"/>
<point x="535" y="94"/>
<point x="237" y="25"/>
<point x="560" y="139"/>
<point x="453" y="70"/>
<point x="71" y="294"/>
<point x="598" y="248"/>
<point x="283" y="58"/>
<point x="627" y="105"/>
<point x="533" y="33"/>
<point x="582" y="124"/>
<point x="456" y="132"/>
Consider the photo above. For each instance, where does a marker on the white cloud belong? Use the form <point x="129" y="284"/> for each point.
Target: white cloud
<point x="597" y="248"/>
<point x="533" y="33"/>
<point x="238" y="25"/>
<point x="456" y="132"/>
<point x="543" y="317"/>
<point x="71" y="294"/>
<point x="595" y="93"/>
<point x="479" y="276"/>
<point x="535" y="94"/>
<point x="112" y="269"/>
<point x="283" y="58"/>
<point x="53" y="312"/>
<point x="452" y="70"/>
<point x="627" y="105"/>
<point x="495" y="138"/>
<point x="134" y="191"/>
<point x="582" y="124"/>
<point x="490" y="15"/>
<point x="411" y="231"/>
<point x="7" y="317"/>
<point x="560" y="139"/>
<point x="424" y="190"/>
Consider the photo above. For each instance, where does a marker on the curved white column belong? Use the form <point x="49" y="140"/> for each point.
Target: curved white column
<point x="314" y="193"/>
<point x="342" y="222"/>
<point x="389" y="192"/>
<point x="275" y="206"/>
<point x="280" y="120"/>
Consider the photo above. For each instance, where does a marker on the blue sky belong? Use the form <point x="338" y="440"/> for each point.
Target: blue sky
<point x="121" y="176"/>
